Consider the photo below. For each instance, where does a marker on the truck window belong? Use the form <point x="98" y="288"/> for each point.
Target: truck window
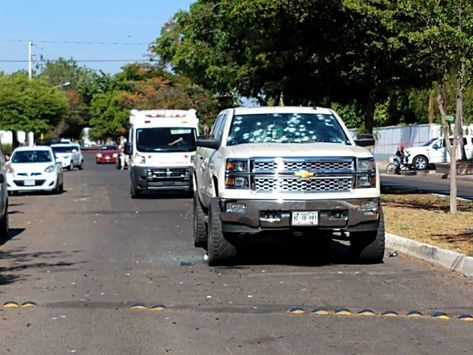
<point x="286" y="128"/>
<point x="165" y="139"/>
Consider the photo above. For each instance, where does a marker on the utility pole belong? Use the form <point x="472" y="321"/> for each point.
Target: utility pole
<point x="30" y="60"/>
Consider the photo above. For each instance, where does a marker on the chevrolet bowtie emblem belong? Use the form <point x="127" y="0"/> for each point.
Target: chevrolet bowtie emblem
<point x="304" y="174"/>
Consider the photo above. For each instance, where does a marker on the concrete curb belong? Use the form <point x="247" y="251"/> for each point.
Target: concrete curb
<point x="452" y="260"/>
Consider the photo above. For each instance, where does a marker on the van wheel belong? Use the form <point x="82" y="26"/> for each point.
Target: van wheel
<point x="134" y="191"/>
<point x="220" y="250"/>
<point x="368" y="247"/>
<point x="200" y="228"/>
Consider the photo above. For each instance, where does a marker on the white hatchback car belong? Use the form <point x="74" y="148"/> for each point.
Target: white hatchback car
<point x="34" y="169"/>
<point x="69" y="155"/>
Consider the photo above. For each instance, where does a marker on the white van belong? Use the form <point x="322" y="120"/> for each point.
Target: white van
<point x="435" y="151"/>
<point x="161" y="147"/>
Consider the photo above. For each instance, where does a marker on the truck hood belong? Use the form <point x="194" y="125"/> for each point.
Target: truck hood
<point x="296" y="150"/>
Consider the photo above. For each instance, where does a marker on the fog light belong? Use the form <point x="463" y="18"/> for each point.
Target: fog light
<point x="233" y="207"/>
<point x="370" y="206"/>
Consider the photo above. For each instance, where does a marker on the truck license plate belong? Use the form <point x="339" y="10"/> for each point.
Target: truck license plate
<point x="29" y="183"/>
<point x="307" y="218"/>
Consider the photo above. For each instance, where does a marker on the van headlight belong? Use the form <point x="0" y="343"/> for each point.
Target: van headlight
<point x="139" y="159"/>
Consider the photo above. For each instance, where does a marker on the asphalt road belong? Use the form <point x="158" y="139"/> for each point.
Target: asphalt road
<point x="429" y="183"/>
<point x="86" y="256"/>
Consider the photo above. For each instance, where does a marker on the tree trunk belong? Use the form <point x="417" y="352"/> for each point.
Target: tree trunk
<point x="369" y="111"/>
<point x="452" y="150"/>
<point x="15" y="142"/>
<point x="431" y="107"/>
<point x="459" y="112"/>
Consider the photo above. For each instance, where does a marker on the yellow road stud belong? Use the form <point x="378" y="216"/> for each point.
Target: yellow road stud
<point x="466" y="318"/>
<point x="28" y="304"/>
<point x="320" y="311"/>
<point x="389" y="314"/>
<point x="296" y="310"/>
<point x="10" y="304"/>
<point x="138" y="306"/>
<point x="366" y="313"/>
<point x="343" y="312"/>
<point x="413" y="314"/>
<point x="440" y="315"/>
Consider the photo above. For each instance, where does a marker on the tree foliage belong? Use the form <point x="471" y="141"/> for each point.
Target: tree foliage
<point x="312" y="51"/>
<point x="29" y="105"/>
<point x="145" y="87"/>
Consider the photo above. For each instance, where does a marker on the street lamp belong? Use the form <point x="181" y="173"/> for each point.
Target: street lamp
<point x="67" y="83"/>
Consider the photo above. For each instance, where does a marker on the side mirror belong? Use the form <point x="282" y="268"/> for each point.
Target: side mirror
<point x="59" y="166"/>
<point x="365" y="140"/>
<point x="207" y="142"/>
<point x="127" y="149"/>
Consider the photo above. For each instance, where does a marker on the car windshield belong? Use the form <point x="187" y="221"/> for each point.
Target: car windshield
<point x="165" y="139"/>
<point x="32" y="156"/>
<point x="62" y="149"/>
<point x="109" y="147"/>
<point x="286" y="128"/>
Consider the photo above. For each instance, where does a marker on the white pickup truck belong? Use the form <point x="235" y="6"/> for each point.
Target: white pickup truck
<point x="291" y="169"/>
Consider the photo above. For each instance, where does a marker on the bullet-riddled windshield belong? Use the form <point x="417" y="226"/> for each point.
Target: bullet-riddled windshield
<point x="286" y="128"/>
<point x="165" y="139"/>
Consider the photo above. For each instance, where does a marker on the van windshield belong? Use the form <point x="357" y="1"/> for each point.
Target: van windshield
<point x="165" y="139"/>
<point x="286" y="128"/>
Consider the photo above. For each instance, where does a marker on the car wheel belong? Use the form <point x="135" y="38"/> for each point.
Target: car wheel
<point x="134" y="192"/>
<point x="220" y="250"/>
<point x="200" y="227"/>
<point x="420" y="162"/>
<point x="81" y="166"/>
<point x="368" y="247"/>
<point x="71" y="166"/>
<point x="4" y="225"/>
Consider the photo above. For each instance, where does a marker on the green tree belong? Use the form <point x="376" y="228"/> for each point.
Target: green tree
<point x="29" y="105"/>
<point x="310" y="51"/>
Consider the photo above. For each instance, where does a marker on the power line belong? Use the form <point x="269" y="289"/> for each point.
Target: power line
<point x="100" y="43"/>
<point x="78" y="60"/>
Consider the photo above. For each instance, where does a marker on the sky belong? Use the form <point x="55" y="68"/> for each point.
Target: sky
<point x="99" y="34"/>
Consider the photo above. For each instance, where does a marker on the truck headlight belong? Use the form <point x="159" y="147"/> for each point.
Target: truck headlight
<point x="237" y="182"/>
<point x="237" y="165"/>
<point x="366" y="165"/>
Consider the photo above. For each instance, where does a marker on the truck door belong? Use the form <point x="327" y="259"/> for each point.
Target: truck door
<point x="438" y="152"/>
<point x="203" y="158"/>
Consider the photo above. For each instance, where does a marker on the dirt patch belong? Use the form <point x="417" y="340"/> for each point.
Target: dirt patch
<point x="426" y="218"/>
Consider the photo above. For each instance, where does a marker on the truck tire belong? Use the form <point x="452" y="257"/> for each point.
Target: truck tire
<point x="200" y="228"/>
<point x="220" y="250"/>
<point x="368" y="247"/>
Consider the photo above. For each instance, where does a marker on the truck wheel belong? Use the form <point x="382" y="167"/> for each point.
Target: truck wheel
<point x="368" y="247"/>
<point x="219" y="248"/>
<point x="200" y="228"/>
<point x="420" y="162"/>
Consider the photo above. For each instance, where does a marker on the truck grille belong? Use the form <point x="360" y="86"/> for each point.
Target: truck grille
<point x="324" y="184"/>
<point x="332" y="174"/>
<point x="317" y="166"/>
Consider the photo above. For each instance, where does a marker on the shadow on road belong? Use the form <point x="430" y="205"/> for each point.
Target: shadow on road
<point x="20" y="262"/>
<point x="13" y="232"/>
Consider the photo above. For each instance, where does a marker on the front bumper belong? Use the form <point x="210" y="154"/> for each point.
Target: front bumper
<point x="43" y="182"/>
<point x="162" y="178"/>
<point x="262" y="215"/>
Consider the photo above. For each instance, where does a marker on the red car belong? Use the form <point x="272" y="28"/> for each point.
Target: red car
<point x="107" y="154"/>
